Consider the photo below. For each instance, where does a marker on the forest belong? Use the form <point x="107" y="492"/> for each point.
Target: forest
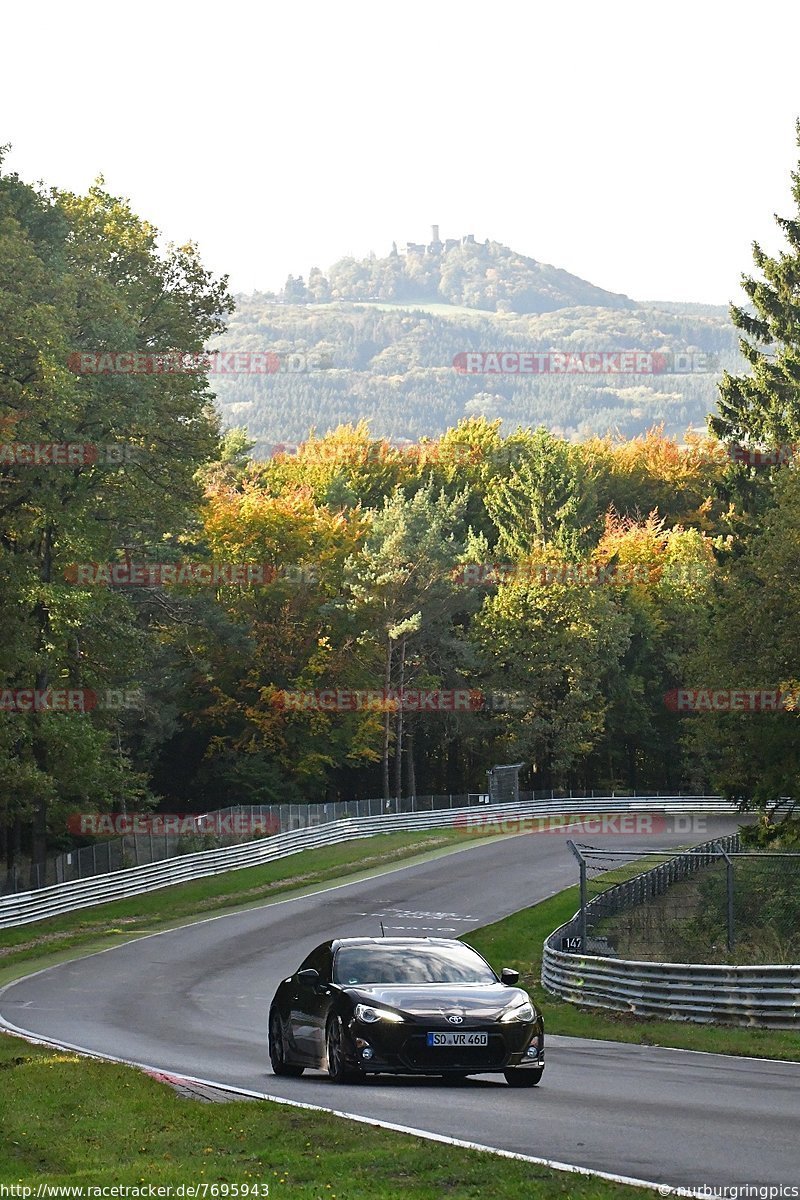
<point x="395" y="364"/>
<point x="190" y="624"/>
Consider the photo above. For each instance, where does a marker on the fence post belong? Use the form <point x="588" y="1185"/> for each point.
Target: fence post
<point x="582" y="863"/>
<point x="729" y="880"/>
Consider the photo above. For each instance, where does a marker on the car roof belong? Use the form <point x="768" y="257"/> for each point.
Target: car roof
<point x="394" y="941"/>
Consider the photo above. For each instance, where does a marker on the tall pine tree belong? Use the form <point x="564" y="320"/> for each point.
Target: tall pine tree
<point x="763" y="407"/>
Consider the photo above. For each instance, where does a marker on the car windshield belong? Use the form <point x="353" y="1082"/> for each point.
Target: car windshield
<point x="410" y="964"/>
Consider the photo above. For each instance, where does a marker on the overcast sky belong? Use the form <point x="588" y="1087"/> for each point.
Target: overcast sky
<point x="641" y="146"/>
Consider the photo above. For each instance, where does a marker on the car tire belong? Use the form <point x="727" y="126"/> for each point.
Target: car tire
<point x="338" y="1070"/>
<point x="277" y="1049"/>
<point x="523" y="1077"/>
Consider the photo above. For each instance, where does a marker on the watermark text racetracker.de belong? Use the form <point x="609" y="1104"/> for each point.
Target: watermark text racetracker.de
<point x="171" y="574"/>
<point x="545" y="574"/>
<point x="69" y="454"/>
<point x="68" y="700"/>
<point x="217" y="824"/>
<point x="731" y="700"/>
<point x="534" y="572"/>
<point x="356" y="452"/>
<point x="609" y="824"/>
<point x="581" y="362"/>
<point x="752" y="456"/>
<point x="207" y="362"/>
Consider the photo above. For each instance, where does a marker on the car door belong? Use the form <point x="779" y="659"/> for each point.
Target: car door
<point x="318" y="1005"/>
<point x="309" y="1009"/>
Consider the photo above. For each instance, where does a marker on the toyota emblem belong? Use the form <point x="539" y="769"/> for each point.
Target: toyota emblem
<point x="455" y="1019"/>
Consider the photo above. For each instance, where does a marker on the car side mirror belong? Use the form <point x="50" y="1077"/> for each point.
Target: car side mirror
<point x="310" y="979"/>
<point x="509" y="977"/>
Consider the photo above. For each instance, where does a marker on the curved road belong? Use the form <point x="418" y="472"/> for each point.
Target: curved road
<point x="194" y="1001"/>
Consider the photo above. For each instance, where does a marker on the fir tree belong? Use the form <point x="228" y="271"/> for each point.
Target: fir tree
<point x="764" y="406"/>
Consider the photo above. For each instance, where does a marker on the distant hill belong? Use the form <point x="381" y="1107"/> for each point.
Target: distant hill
<point x="459" y="271"/>
<point x="376" y="339"/>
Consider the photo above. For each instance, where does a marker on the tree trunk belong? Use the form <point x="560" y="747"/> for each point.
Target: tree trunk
<point x="39" y="747"/>
<point x="387" y="683"/>
<point x="398" y="749"/>
<point x="412" y="773"/>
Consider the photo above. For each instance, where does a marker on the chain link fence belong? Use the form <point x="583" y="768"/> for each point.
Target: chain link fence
<point x="712" y="904"/>
<point x="214" y="830"/>
<point x="240" y="823"/>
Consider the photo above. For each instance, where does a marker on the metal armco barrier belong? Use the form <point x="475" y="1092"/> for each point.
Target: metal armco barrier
<point x="760" y="996"/>
<point x="24" y="907"/>
<point x="228" y="827"/>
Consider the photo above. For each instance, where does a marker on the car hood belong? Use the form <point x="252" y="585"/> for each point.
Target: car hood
<point x="484" y="1001"/>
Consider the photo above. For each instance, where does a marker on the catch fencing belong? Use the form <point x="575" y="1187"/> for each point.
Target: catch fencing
<point x="22" y="908"/>
<point x="720" y="892"/>
<point x="104" y="855"/>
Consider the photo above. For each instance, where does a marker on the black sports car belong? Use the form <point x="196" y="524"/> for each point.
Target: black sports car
<point x="408" y="1006"/>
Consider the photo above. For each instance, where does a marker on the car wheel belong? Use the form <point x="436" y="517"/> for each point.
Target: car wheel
<point x="523" y="1077"/>
<point x="277" y="1050"/>
<point x="338" y="1070"/>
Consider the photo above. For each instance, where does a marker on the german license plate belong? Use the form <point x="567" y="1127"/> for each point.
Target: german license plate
<point x="458" y="1039"/>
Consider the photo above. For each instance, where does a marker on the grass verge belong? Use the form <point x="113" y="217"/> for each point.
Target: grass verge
<point x="502" y="943"/>
<point x="73" y="1121"/>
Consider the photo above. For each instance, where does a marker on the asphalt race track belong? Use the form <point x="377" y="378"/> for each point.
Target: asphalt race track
<point x="194" y="1001"/>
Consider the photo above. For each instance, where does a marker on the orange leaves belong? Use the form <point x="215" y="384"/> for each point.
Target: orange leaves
<point x="654" y="471"/>
<point x="656" y="551"/>
<point x="251" y="525"/>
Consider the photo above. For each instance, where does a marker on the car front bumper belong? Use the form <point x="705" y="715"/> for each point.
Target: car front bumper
<point x="403" y="1050"/>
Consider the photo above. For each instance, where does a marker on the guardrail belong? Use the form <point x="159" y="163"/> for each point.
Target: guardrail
<point x="25" y="907"/>
<point x="764" y="996"/>
<point x="231" y="826"/>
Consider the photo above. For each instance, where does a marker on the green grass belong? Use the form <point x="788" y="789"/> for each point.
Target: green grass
<point x="517" y="942"/>
<point x="105" y="924"/>
<point x="78" y="1122"/>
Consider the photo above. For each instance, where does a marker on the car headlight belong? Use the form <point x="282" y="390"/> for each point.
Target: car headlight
<point x="369" y="1014"/>
<point x="520" y="1012"/>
